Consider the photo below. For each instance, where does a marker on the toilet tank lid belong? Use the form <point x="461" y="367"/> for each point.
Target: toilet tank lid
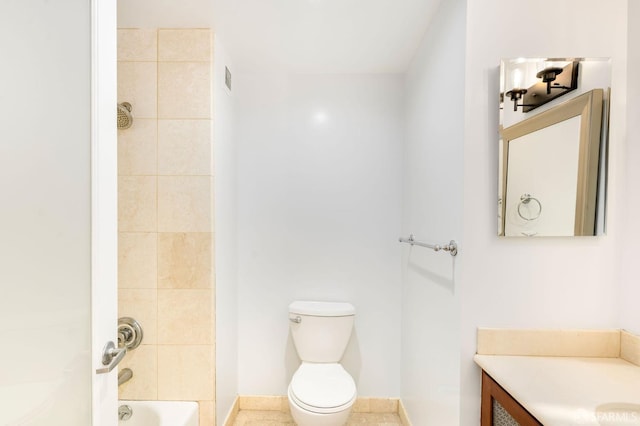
<point x="322" y="309"/>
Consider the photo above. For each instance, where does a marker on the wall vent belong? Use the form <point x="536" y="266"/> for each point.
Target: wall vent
<point x="227" y="77"/>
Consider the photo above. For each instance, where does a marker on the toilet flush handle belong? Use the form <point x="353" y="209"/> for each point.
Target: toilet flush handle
<point x="297" y="319"/>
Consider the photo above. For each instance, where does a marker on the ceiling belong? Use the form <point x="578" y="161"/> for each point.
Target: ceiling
<point x="309" y="36"/>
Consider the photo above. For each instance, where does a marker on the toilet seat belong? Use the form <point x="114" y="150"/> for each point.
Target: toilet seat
<point x="322" y="388"/>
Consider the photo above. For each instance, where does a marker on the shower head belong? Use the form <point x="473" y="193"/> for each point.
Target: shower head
<point x="125" y="119"/>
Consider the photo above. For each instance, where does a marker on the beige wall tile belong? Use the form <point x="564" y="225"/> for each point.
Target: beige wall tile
<point x="184" y="45"/>
<point x="207" y="413"/>
<point x="184" y="90"/>
<point x="137" y="44"/>
<point x="138" y="148"/>
<point x="185" y="372"/>
<point x="184" y="204"/>
<point x="179" y="371"/>
<point x="137" y="260"/>
<point x="630" y="347"/>
<point x="137" y="204"/>
<point x="184" y="147"/>
<point x="142" y="305"/>
<point x="184" y="260"/>
<point x="185" y="317"/>
<point x="137" y="84"/>
<point x="587" y="343"/>
<point x="143" y="361"/>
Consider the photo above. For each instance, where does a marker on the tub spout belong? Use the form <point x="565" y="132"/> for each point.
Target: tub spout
<point x="124" y="375"/>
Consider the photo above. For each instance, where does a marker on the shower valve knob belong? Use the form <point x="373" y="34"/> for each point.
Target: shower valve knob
<point x="129" y="333"/>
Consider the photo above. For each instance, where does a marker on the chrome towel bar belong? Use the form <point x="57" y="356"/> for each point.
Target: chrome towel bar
<point x="452" y="247"/>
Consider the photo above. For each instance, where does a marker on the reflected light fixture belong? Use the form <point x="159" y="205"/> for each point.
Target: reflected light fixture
<point x="563" y="79"/>
<point x="515" y="95"/>
<point x="548" y="76"/>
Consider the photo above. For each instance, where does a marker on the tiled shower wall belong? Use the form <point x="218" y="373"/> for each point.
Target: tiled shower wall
<point x="165" y="214"/>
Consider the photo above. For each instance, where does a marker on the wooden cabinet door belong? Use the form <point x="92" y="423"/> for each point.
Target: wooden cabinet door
<point x="495" y="401"/>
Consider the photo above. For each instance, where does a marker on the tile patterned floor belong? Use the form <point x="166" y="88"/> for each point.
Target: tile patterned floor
<point x="279" y="418"/>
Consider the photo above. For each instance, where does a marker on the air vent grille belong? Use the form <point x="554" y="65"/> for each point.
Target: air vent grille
<point x="227" y="78"/>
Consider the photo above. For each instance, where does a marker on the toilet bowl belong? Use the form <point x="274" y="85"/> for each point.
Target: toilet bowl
<point x="321" y="392"/>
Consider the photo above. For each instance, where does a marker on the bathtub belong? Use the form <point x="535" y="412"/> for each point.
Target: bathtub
<point x="160" y="413"/>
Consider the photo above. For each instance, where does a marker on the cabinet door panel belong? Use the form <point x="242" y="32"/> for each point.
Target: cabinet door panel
<point x="496" y="402"/>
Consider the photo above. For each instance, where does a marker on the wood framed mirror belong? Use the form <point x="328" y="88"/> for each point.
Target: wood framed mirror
<point x="549" y="174"/>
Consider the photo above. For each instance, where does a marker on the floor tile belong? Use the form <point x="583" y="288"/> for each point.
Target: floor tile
<point x="279" y="418"/>
<point x="263" y="418"/>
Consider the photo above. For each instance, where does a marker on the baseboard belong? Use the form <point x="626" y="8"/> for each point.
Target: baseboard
<point x="233" y="412"/>
<point x="281" y="403"/>
<point x="630" y="347"/>
<point x="402" y="413"/>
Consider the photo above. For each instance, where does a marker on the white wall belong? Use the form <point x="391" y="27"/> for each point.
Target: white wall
<point x="226" y="233"/>
<point x="165" y="14"/>
<point x="630" y="289"/>
<point x="546" y="282"/>
<point x="318" y="218"/>
<point x="434" y="107"/>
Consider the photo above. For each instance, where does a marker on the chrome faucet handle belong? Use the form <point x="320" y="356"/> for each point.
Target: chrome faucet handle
<point x="129" y="333"/>
<point x="111" y="356"/>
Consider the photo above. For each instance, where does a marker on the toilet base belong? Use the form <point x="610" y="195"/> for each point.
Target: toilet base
<point x="304" y="417"/>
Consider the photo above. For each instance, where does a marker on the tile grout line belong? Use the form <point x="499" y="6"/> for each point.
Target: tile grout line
<point x="157" y="221"/>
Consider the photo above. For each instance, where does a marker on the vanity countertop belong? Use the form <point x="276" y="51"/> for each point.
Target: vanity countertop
<point x="564" y="391"/>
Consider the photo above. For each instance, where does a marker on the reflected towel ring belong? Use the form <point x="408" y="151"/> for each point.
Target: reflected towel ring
<point x="524" y="200"/>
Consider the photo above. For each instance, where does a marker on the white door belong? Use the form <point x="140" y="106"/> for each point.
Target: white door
<point x="58" y="216"/>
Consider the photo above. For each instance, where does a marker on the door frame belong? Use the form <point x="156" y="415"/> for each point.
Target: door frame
<point x="104" y="206"/>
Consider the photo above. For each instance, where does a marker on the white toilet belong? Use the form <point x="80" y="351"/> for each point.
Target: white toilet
<point x="321" y="392"/>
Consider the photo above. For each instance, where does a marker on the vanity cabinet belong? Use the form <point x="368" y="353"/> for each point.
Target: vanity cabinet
<point x="500" y="409"/>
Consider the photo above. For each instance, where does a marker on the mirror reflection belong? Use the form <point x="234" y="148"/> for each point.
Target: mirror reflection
<point x="552" y="146"/>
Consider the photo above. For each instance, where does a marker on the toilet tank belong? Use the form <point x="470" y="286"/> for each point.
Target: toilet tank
<point x="321" y="330"/>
